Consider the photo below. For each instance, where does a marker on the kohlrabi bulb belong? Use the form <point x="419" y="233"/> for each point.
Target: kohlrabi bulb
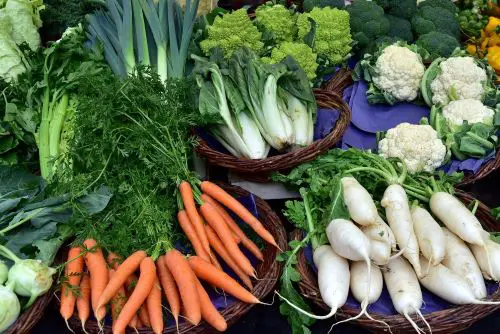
<point x="31" y="278"/>
<point x="4" y="271"/>
<point x="9" y="308"/>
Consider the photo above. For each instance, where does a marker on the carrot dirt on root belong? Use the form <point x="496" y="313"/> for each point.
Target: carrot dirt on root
<point x="155" y="309"/>
<point x="223" y="253"/>
<point x="128" y="267"/>
<point x="185" y="280"/>
<point x="237" y="232"/>
<point x="99" y="276"/>
<point x="220" y="279"/>
<point x="208" y="310"/>
<point x="83" y="301"/>
<point x="231" y="203"/>
<point x="190" y="207"/>
<point x="220" y="227"/>
<point x="73" y="275"/>
<point x="138" y="297"/>
<point x="192" y="236"/>
<point x="170" y="288"/>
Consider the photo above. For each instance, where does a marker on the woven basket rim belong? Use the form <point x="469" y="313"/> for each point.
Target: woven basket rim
<point x="343" y="78"/>
<point x="267" y="271"/>
<point x="281" y="162"/>
<point x="451" y="320"/>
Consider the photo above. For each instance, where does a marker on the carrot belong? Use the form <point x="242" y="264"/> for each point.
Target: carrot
<point x="192" y="236"/>
<point x="221" y="250"/>
<point x="73" y="271"/>
<point x="185" y="280"/>
<point x="119" y="299"/>
<point x="208" y="310"/>
<point x="220" y="279"/>
<point x="114" y="260"/>
<point x="190" y="207"/>
<point x="143" y="288"/>
<point x="154" y="307"/>
<point x="170" y="288"/>
<point x="231" y="203"/>
<point x="217" y="223"/>
<point x="135" y="323"/>
<point x="99" y="276"/>
<point x="144" y="316"/>
<point x="249" y="244"/>
<point x="119" y="279"/>
<point x="83" y="300"/>
<point x="245" y="241"/>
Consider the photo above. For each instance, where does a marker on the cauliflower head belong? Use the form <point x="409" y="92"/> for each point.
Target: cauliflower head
<point x="301" y="52"/>
<point x="232" y="31"/>
<point x="333" y="33"/>
<point x="459" y="78"/>
<point x="470" y="110"/>
<point x="399" y="72"/>
<point x="278" y="20"/>
<point x="418" y="146"/>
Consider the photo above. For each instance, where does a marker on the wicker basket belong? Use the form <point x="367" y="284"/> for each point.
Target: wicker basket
<point x="30" y="317"/>
<point x="446" y="321"/>
<point x="261" y="168"/>
<point x="343" y="78"/>
<point x="268" y="272"/>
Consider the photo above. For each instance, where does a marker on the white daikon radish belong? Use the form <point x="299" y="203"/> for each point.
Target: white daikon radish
<point x="395" y="202"/>
<point x="348" y="241"/>
<point x="457" y="218"/>
<point x="460" y="260"/>
<point x="404" y="289"/>
<point x="380" y="252"/>
<point x="359" y="202"/>
<point x="490" y="254"/>
<point x="450" y="286"/>
<point x="429" y="235"/>
<point x="380" y="231"/>
<point x="333" y="280"/>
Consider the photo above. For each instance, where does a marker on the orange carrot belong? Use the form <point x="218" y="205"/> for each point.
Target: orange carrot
<point x="170" y="288"/>
<point x="220" y="279"/>
<point x="249" y="244"/>
<point x="119" y="279"/>
<point x="231" y="203"/>
<point x="144" y="316"/>
<point x="83" y="300"/>
<point x="185" y="280"/>
<point x="192" y="236"/>
<point x="220" y="227"/>
<point x="190" y="207"/>
<point x="214" y="261"/>
<point x="99" y="276"/>
<point x="114" y="260"/>
<point x="154" y="307"/>
<point x="135" y="323"/>
<point x="221" y="250"/>
<point x="118" y="300"/>
<point x="208" y="310"/>
<point x="143" y="288"/>
<point x="73" y="272"/>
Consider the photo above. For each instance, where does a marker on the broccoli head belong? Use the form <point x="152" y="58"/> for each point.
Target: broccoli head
<point x="332" y="37"/>
<point x="400" y="28"/>
<point x="400" y="8"/>
<point x="367" y="21"/>
<point x="278" y="20"/>
<point x="428" y="19"/>
<point x="232" y="31"/>
<point x="309" y="5"/>
<point x="301" y="52"/>
<point x="437" y="44"/>
<point x="444" y="4"/>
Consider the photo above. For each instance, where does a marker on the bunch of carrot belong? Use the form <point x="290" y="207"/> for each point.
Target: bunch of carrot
<point x="136" y="301"/>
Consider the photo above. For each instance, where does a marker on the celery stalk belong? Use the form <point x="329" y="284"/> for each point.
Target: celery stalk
<point x="56" y="125"/>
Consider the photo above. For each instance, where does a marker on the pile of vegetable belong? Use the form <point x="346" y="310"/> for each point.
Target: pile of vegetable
<point x="434" y="241"/>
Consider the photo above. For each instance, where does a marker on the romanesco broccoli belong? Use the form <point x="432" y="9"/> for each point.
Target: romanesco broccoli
<point x="232" y="31"/>
<point x="309" y="5"/>
<point x="278" y="20"/>
<point x="301" y="52"/>
<point x="367" y="22"/>
<point x="333" y="34"/>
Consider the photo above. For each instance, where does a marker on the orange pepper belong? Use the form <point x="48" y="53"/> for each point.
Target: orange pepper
<point x="493" y="23"/>
<point x="471" y="49"/>
<point x="494" y="57"/>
